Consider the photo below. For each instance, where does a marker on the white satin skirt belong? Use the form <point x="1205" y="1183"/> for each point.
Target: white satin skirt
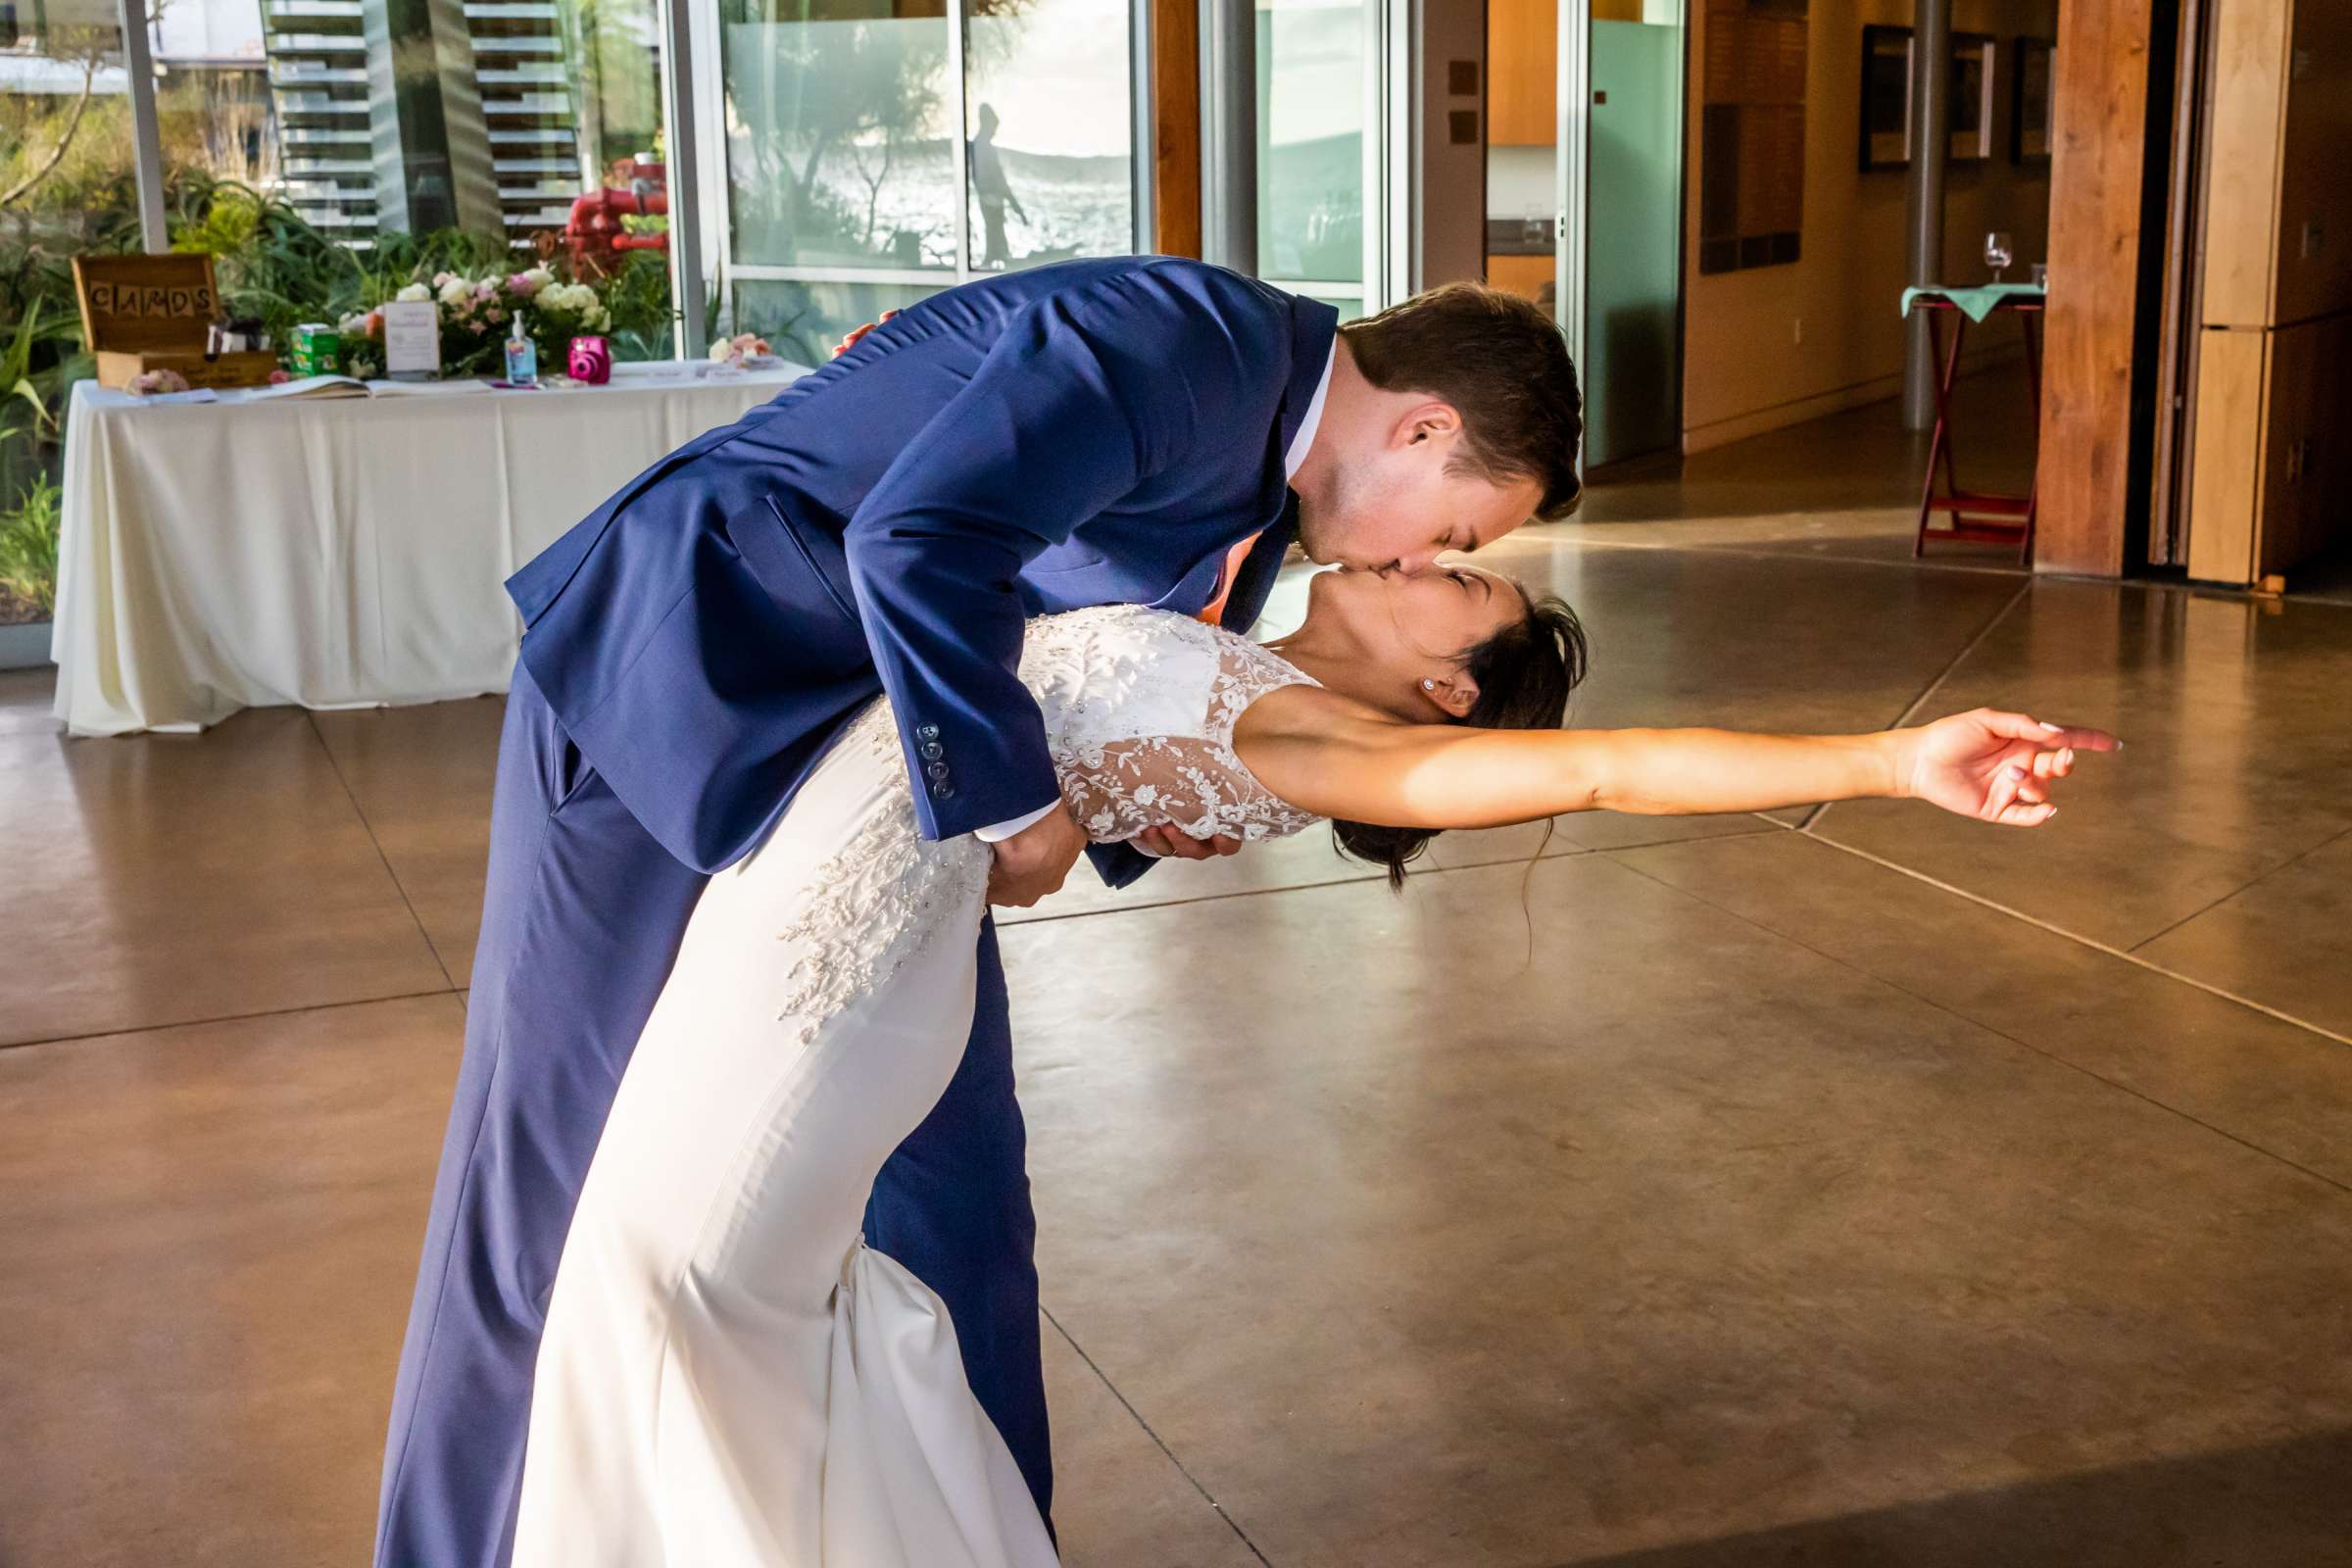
<point x="730" y="1378"/>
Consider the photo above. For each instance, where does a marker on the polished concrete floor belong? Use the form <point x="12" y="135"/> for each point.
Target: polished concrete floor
<point x="1853" y="1187"/>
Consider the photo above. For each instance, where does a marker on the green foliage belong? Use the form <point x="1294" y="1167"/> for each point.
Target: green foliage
<point x="267" y="262"/>
<point x="28" y="546"/>
<point x="270" y="263"/>
<point x="638" y="296"/>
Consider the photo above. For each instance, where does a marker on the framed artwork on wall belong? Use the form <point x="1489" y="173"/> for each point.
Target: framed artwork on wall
<point x="1752" y="163"/>
<point x="2030" y="103"/>
<point x="1886" y="97"/>
<point x="1975" y="62"/>
<point x="1885" y="137"/>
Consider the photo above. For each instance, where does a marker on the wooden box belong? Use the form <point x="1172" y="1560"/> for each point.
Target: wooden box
<point x="151" y="312"/>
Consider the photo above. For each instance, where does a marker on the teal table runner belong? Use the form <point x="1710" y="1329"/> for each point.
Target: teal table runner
<point x="1975" y="303"/>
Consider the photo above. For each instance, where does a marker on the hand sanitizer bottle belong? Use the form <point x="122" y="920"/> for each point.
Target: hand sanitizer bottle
<point x="522" y="358"/>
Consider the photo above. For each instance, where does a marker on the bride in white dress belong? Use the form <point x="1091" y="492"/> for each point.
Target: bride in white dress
<point x="729" y="1377"/>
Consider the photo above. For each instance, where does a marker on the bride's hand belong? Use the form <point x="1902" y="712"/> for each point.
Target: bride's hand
<point x="1991" y="765"/>
<point x="849" y="339"/>
<point x="1174" y="844"/>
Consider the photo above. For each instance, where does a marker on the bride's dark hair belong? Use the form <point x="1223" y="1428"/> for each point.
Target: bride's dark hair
<point x="1524" y="675"/>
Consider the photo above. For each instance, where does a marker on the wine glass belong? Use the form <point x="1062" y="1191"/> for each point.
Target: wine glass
<point x="1996" y="253"/>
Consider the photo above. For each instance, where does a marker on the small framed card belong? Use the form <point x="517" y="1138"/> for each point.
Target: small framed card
<point x="412" y="340"/>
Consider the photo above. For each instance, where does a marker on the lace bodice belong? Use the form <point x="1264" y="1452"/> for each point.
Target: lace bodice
<point x="1140" y="707"/>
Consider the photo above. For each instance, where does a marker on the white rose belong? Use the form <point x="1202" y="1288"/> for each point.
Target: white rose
<point x="413" y="291"/>
<point x="454" y="292"/>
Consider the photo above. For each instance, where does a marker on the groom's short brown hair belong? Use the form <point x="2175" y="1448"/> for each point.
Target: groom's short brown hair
<point x="1504" y="365"/>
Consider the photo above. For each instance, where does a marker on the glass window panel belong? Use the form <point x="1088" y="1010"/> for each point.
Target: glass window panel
<point x="1312" y="56"/>
<point x="838" y="115"/>
<point x="212" y="94"/>
<point x="623" y="231"/>
<point x="412" y="119"/>
<point x="1050" y="129"/>
<point x="803" y="320"/>
<point x="1349" y="306"/>
<point x="65" y="157"/>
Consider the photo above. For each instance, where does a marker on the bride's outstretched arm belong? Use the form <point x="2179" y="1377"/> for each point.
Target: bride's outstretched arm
<point x="1337" y="759"/>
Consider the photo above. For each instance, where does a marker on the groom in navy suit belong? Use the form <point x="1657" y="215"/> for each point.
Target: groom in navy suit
<point x="1142" y="431"/>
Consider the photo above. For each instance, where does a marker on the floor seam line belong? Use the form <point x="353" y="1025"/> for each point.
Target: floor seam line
<point x="227" y="1018"/>
<point x="2246" y="887"/>
<point x="1991" y="625"/>
<point x="1935" y="684"/>
<point x="1771" y="826"/>
<point x="1751" y="553"/>
<point x="1206" y="1496"/>
<point x="1922" y="564"/>
<point x="2092" y="942"/>
<point x="311" y="718"/>
<point x="1999" y="1033"/>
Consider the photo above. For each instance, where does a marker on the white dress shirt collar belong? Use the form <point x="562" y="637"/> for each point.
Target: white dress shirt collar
<point x="1305" y="438"/>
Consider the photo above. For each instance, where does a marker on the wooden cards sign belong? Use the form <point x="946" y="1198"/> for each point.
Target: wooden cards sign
<point x="146" y="312"/>
<point x="130" y="303"/>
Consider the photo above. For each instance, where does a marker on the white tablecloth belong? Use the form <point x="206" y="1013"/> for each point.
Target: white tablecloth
<point x="331" y="554"/>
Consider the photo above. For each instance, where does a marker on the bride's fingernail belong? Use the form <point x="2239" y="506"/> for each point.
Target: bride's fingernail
<point x="2046" y="724"/>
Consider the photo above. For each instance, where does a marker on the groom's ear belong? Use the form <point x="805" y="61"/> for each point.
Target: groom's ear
<point x="1432" y="420"/>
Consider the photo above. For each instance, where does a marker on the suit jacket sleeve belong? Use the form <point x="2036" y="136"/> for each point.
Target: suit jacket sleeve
<point x="1083" y="396"/>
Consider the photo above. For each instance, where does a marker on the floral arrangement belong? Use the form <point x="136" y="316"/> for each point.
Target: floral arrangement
<point x="742" y="350"/>
<point x="147" y="383"/>
<point x="477" y="314"/>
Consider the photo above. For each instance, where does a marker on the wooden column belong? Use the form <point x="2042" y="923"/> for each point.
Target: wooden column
<point x="2097" y="169"/>
<point x="1176" y="127"/>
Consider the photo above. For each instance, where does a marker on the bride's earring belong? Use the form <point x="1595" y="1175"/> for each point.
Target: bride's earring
<point x="1428" y="685"/>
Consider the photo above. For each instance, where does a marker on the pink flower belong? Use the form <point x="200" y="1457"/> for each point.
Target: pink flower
<point x="443" y="280"/>
<point x="522" y="285"/>
<point x="485" y="290"/>
<point x="497" y="313"/>
<point x="280" y="377"/>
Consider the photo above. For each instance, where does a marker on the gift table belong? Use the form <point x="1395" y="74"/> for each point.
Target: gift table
<point x="343" y="553"/>
<point x="1978" y="515"/>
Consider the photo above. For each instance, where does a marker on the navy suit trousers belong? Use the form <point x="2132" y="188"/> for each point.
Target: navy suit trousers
<point x="581" y="920"/>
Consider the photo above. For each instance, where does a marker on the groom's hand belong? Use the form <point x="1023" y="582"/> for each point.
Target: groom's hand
<point x="1031" y="864"/>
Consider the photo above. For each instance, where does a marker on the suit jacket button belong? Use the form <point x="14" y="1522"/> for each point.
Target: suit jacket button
<point x="942" y="792"/>
<point x="936" y="771"/>
<point x="934" y="751"/>
<point x="926" y="732"/>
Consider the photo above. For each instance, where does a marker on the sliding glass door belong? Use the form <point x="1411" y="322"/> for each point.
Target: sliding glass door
<point x="1620" y="264"/>
<point x="1320" y="69"/>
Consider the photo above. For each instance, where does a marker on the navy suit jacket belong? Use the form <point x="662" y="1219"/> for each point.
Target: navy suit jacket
<point x="1093" y="432"/>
